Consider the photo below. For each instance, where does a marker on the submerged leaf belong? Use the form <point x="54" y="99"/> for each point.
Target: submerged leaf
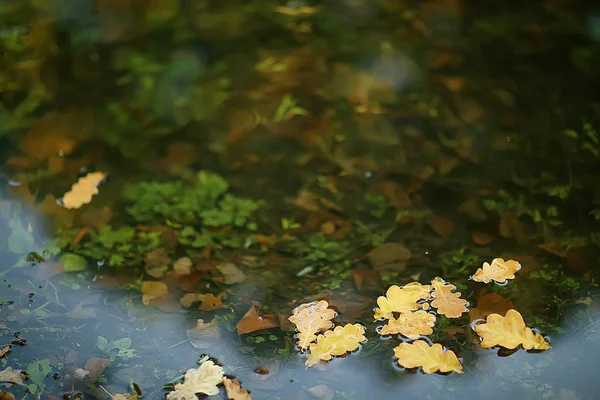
<point x="310" y="319"/>
<point x="410" y="324"/>
<point x="234" y="390"/>
<point x="10" y="375"/>
<point x="490" y="303"/>
<point x="498" y="271"/>
<point x="510" y="332"/>
<point x="82" y="191"/>
<point x="153" y="289"/>
<point x="252" y="322"/>
<point x="202" y="334"/>
<point x="447" y="303"/>
<point x="429" y="358"/>
<point x="336" y="343"/>
<point x="403" y="299"/>
<point x="203" y="379"/>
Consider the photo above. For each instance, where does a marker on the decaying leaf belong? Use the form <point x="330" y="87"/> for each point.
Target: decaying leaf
<point x="183" y="267"/>
<point x="234" y="390"/>
<point x="252" y="322"/>
<point x="430" y="358"/>
<point x="231" y="273"/>
<point x="388" y="254"/>
<point x="509" y="331"/>
<point x="447" y="303"/>
<point x="202" y="334"/>
<point x="444" y="227"/>
<point x="153" y="289"/>
<point x="403" y="299"/>
<point x="10" y="375"/>
<point x="490" y="303"/>
<point x="336" y="343"/>
<point x="209" y="301"/>
<point x="6" y="396"/>
<point x="410" y="324"/>
<point x="4" y="351"/>
<point x="498" y="271"/>
<point x="157" y="262"/>
<point x="310" y="319"/>
<point x="83" y="190"/>
<point x="203" y="379"/>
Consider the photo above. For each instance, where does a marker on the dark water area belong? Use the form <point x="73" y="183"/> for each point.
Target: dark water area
<point x="178" y="176"/>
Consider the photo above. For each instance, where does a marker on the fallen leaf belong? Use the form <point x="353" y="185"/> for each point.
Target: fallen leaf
<point x="400" y="300"/>
<point x="10" y="375"/>
<point x="447" y="303"/>
<point x="336" y="342"/>
<point x="157" y="262"/>
<point x="322" y="392"/>
<point x="80" y="312"/>
<point x="444" y="227"/>
<point x="5" y="350"/>
<point x="498" y="271"/>
<point x="203" y="379"/>
<point x="231" y="273"/>
<point x="510" y="227"/>
<point x="554" y="248"/>
<point x="203" y="334"/>
<point x="430" y="358"/>
<point x="482" y="238"/>
<point x="7" y="396"/>
<point x="252" y="322"/>
<point x="509" y="331"/>
<point x="210" y="302"/>
<point x="125" y="396"/>
<point x="234" y="390"/>
<point x="153" y="289"/>
<point x="490" y="303"/>
<point x="167" y="302"/>
<point x="83" y="190"/>
<point x="311" y="318"/>
<point x="183" y="267"/>
<point x="388" y="253"/>
<point x="410" y="324"/>
<point x="188" y="299"/>
<point x="95" y="366"/>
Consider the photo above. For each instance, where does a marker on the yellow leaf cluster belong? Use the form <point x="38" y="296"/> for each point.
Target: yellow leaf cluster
<point x="509" y="331"/>
<point x="234" y="390"/>
<point x="82" y="191"/>
<point x="336" y="342"/>
<point x="410" y="324"/>
<point x="430" y="358"/>
<point x="310" y="319"/>
<point x="498" y="271"/>
<point x="447" y="303"/>
<point x="401" y="299"/>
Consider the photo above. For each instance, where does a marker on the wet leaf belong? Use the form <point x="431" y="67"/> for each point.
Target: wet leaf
<point x="310" y="319"/>
<point x="72" y="262"/>
<point x="153" y="289"/>
<point x="4" y="351"/>
<point x="95" y="366"/>
<point x="482" y="238"/>
<point x="210" y="302"/>
<point x="252" y="322"/>
<point x="430" y="358"/>
<point x="231" y="273"/>
<point x="157" y="262"/>
<point x="509" y="331"/>
<point x="498" y="271"/>
<point x="234" y="390"/>
<point x="490" y="303"/>
<point x="183" y="267"/>
<point x="6" y="396"/>
<point x="444" y="227"/>
<point x="447" y="303"/>
<point x="410" y="324"/>
<point x="388" y="253"/>
<point x="336" y="342"/>
<point x="83" y="190"/>
<point x="322" y="392"/>
<point x="10" y="375"/>
<point x="203" y="334"/>
<point x="203" y="379"/>
<point x="401" y="300"/>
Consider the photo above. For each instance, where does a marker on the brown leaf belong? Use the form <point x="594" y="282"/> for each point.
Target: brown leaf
<point x="203" y="335"/>
<point x="388" y="253"/>
<point x="6" y="396"/>
<point x="210" y="302"/>
<point x="554" y="248"/>
<point x="95" y="366"/>
<point x="157" y="262"/>
<point x="7" y="349"/>
<point x="490" y="303"/>
<point x="183" y="267"/>
<point x="482" y="238"/>
<point x="510" y="227"/>
<point x="231" y="273"/>
<point x="252" y="322"/>
<point x="444" y="227"/>
<point x="167" y="302"/>
<point x="234" y="390"/>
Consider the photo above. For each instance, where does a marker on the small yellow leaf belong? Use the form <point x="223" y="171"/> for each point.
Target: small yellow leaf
<point x="203" y="379"/>
<point x="498" y="271"/>
<point x="410" y="324"/>
<point x="234" y="390"/>
<point x="429" y="358"/>
<point x="509" y="331"/>
<point x="336" y="343"/>
<point x="403" y="299"/>
<point x="153" y="289"/>
<point x="447" y="303"/>
<point x="310" y="319"/>
<point x="82" y="191"/>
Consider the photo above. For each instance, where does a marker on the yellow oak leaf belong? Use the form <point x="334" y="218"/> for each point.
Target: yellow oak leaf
<point x="403" y="299"/>
<point x="430" y="358"/>
<point x="447" y="303"/>
<point x="203" y="379"/>
<point x="498" y="271"/>
<point x="82" y="191"/>
<point x="410" y="324"/>
<point x="310" y="319"/>
<point x="509" y="331"/>
<point x="234" y="390"/>
<point x="336" y="343"/>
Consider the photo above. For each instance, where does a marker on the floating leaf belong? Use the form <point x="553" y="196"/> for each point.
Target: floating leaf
<point x="430" y="358"/>
<point x="4" y="351"/>
<point x="153" y="289"/>
<point x="336" y="343"/>
<point x="202" y="334"/>
<point x="82" y="191"/>
<point x="509" y="332"/>
<point x="310" y="319"/>
<point x="10" y="375"/>
<point x="403" y="299"/>
<point x="447" y="303"/>
<point x="252" y="322"/>
<point x="410" y="324"/>
<point x="498" y="271"/>
<point x="234" y="390"/>
<point x="203" y="379"/>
